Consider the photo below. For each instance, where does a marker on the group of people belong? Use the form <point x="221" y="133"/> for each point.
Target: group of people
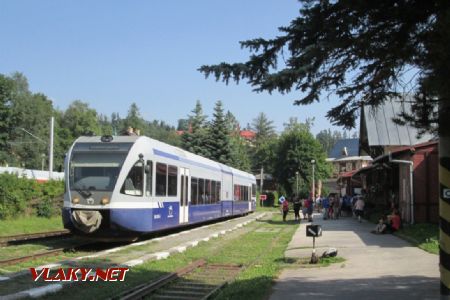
<point x="306" y="204"/>
<point x="388" y="224"/>
<point x="333" y="206"/>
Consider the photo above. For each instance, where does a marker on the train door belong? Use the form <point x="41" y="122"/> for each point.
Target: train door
<point x="184" y="199"/>
<point x="249" y="197"/>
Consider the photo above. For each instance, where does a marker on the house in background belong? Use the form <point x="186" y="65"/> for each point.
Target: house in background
<point x="378" y="132"/>
<point x="388" y="182"/>
<point x="345" y="159"/>
<point x="404" y="172"/>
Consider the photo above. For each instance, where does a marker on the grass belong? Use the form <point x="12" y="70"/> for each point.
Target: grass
<point x="425" y="236"/>
<point x="260" y="252"/>
<point x="30" y="225"/>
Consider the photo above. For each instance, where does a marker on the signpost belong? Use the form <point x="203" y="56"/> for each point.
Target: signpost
<point x="263" y="197"/>
<point x="314" y="231"/>
<point x="446" y="193"/>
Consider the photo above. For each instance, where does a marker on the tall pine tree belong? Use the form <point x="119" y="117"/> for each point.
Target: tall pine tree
<point x="218" y="138"/>
<point x="193" y="140"/>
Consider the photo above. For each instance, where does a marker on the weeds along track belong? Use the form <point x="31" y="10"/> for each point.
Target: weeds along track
<point x="22" y="238"/>
<point x="198" y="280"/>
<point x="41" y="254"/>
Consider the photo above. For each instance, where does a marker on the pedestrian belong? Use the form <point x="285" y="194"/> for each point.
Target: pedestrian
<point x="337" y="207"/>
<point x="310" y="209"/>
<point x="280" y="201"/>
<point x="297" y="205"/>
<point x="331" y="207"/>
<point x="325" y="207"/>
<point x="359" y="208"/>
<point x="285" y="209"/>
<point x="304" y="208"/>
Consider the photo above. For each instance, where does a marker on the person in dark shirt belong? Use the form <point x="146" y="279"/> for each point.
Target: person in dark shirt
<point x="297" y="205"/>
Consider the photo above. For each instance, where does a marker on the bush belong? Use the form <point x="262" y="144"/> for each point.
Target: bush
<point x="45" y="209"/>
<point x="21" y="196"/>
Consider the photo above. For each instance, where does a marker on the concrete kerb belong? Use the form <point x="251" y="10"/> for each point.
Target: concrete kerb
<point x="35" y="292"/>
<point x="191" y="244"/>
<point x="41" y="291"/>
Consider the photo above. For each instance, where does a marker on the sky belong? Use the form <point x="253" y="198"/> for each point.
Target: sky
<point x="113" y="53"/>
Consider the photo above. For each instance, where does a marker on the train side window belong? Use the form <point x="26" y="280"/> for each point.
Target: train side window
<point x="194" y="191"/>
<point x="161" y="179"/>
<point x="149" y="178"/>
<point x="172" y="181"/>
<point x="213" y="192"/>
<point x="246" y="193"/>
<point x="218" y="191"/>
<point x="253" y="190"/>
<point x="134" y="183"/>
<point x="201" y="191"/>
<point x="207" y="191"/>
<point x="236" y="192"/>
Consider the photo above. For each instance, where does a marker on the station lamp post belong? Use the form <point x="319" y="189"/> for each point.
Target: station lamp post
<point x="313" y="162"/>
<point x="296" y="179"/>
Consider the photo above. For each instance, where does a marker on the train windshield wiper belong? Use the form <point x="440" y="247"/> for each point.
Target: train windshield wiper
<point x="83" y="192"/>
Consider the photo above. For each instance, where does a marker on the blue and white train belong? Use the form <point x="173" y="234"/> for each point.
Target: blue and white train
<point x="125" y="186"/>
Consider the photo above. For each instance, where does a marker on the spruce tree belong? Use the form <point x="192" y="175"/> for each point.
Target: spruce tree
<point x="193" y="140"/>
<point x="218" y="139"/>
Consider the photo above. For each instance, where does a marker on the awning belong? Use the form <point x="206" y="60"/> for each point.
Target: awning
<point x="364" y="170"/>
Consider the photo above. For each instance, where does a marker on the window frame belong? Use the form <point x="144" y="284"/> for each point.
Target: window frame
<point x="123" y="190"/>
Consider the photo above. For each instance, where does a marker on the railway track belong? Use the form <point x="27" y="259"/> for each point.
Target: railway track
<point x="199" y="280"/>
<point x="21" y="238"/>
<point x="16" y="260"/>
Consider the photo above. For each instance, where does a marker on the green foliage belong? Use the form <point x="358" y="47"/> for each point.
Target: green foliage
<point x="240" y="158"/>
<point x="365" y="52"/>
<point x="424" y="236"/>
<point x="328" y="139"/>
<point x="45" y="208"/>
<point x="296" y="148"/>
<point x="263" y="127"/>
<point x="218" y="139"/>
<point x="193" y="140"/>
<point x="19" y="196"/>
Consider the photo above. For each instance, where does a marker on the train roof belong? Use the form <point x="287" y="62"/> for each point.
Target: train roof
<point x="170" y="150"/>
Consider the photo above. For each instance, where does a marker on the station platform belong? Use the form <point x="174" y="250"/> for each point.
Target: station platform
<point x="375" y="267"/>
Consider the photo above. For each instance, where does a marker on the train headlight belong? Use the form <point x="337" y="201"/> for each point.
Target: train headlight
<point x="76" y="200"/>
<point x="105" y="200"/>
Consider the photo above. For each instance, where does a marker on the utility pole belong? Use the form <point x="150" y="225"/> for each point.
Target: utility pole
<point x="50" y="150"/>
<point x="262" y="180"/>
<point x="313" y="162"/>
<point x="296" y="179"/>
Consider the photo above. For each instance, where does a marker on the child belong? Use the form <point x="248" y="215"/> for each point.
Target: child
<point x="381" y="226"/>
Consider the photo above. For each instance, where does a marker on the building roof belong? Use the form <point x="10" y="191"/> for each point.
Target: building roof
<point x="247" y="134"/>
<point x="380" y="128"/>
<point x="345" y="148"/>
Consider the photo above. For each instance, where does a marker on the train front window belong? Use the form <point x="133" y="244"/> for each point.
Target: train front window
<point x="95" y="171"/>
<point x="134" y="183"/>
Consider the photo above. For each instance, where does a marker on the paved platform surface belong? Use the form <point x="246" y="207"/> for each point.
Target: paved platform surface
<point x="376" y="267"/>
